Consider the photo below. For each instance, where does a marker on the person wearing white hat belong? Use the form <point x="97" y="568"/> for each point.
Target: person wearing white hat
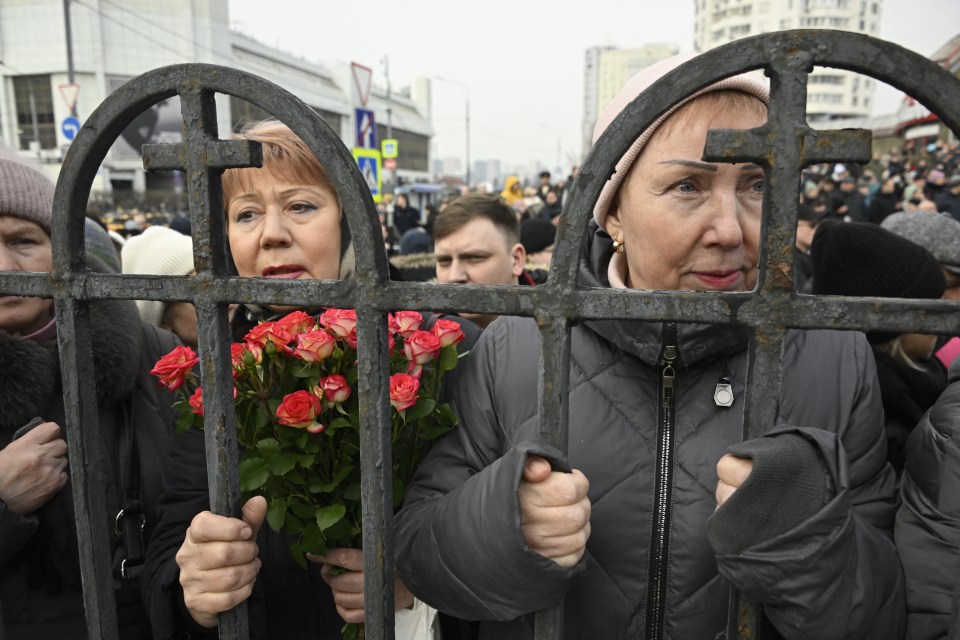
<point x="657" y="510"/>
<point x="163" y="252"/>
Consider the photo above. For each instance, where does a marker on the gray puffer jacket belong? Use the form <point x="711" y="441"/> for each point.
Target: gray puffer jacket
<point x="928" y="523"/>
<point x="834" y="575"/>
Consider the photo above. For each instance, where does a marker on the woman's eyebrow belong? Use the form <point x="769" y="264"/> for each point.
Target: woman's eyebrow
<point x="693" y="164"/>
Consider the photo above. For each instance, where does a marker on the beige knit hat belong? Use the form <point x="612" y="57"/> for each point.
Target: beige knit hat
<point x="157" y="251"/>
<point x="25" y="192"/>
<point x="748" y="83"/>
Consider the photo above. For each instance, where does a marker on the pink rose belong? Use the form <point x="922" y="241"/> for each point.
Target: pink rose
<point x="297" y="322"/>
<point x="403" y="391"/>
<point x="334" y="388"/>
<point x="421" y="347"/>
<point x="269" y="333"/>
<point x="408" y="322"/>
<point x="173" y="368"/>
<point x="342" y="322"/>
<point x="196" y="402"/>
<point x="299" y="409"/>
<point x="314" y="346"/>
<point x="448" y="331"/>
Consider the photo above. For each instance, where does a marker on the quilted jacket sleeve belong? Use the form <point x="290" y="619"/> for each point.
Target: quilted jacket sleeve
<point x="459" y="545"/>
<point x="836" y="575"/>
<point x="928" y="523"/>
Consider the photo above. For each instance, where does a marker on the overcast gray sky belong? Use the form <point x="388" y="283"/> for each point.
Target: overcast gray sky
<point x="522" y="61"/>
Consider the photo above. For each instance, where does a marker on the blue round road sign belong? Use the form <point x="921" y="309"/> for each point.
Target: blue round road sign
<point x="70" y="126"/>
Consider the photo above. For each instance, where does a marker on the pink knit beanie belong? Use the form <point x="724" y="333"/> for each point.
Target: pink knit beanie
<point x="24" y="191"/>
<point x="748" y="83"/>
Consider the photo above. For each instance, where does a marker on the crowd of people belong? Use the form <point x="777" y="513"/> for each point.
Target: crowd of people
<point x="654" y="512"/>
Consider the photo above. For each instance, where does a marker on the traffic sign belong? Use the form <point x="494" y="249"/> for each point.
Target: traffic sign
<point x="366" y="137"/>
<point x="369" y="162"/>
<point x="361" y="81"/>
<point x="69" y="93"/>
<point x="390" y="148"/>
<point x="390" y="164"/>
<point x="70" y="126"/>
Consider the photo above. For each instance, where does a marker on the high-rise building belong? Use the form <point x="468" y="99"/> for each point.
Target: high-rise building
<point x="831" y="93"/>
<point x="605" y="71"/>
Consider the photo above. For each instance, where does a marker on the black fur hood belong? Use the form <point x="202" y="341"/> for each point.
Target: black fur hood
<point x="30" y="371"/>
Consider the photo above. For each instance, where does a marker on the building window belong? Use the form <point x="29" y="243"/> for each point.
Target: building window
<point x="40" y="107"/>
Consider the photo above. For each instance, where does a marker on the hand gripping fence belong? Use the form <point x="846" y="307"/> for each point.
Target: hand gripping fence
<point x="782" y="147"/>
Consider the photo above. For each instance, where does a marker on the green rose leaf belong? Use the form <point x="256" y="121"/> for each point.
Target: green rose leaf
<point x="253" y="473"/>
<point x="421" y="409"/>
<point x="330" y="515"/>
<point x="282" y="463"/>
<point x="276" y="513"/>
<point x="268" y="447"/>
<point x="448" y="358"/>
<point x="184" y="421"/>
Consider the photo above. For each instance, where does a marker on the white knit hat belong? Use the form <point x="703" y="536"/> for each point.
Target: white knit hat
<point x="157" y="251"/>
<point x="748" y="83"/>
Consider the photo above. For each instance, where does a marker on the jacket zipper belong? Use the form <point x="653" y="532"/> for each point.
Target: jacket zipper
<point x="663" y="496"/>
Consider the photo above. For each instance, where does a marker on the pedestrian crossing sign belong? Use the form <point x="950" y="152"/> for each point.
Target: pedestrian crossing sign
<point x="368" y="160"/>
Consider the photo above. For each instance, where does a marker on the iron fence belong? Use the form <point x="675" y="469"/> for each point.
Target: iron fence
<point x="782" y="147"/>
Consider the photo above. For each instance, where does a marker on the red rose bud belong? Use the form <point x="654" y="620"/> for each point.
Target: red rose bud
<point x="196" y="401"/>
<point x="298" y="409"/>
<point x="255" y="352"/>
<point x="403" y="391"/>
<point x="341" y="321"/>
<point x="173" y="368"/>
<point x="269" y="333"/>
<point x="416" y="370"/>
<point x="421" y="347"/>
<point x="314" y="346"/>
<point x="448" y="331"/>
<point x="335" y="388"/>
<point x="408" y="322"/>
<point x="297" y="322"/>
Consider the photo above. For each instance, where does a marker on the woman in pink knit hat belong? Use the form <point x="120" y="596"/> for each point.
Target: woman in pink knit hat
<point x="658" y="510"/>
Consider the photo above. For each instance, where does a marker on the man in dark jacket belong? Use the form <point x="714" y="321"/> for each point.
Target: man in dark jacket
<point x="405" y="217"/>
<point x="948" y="201"/>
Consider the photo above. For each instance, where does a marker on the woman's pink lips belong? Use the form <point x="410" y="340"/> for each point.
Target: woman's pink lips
<point x="284" y="271"/>
<point x="719" y="279"/>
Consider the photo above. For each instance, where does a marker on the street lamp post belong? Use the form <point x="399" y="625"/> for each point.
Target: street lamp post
<point x="466" y="91"/>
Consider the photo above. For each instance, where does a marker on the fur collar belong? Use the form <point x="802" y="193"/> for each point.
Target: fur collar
<point x="30" y="371"/>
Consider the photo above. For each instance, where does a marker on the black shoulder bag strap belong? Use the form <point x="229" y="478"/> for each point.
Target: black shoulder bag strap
<point x="130" y="520"/>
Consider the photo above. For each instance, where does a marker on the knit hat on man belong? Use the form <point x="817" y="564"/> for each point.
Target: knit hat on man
<point x="748" y="83"/>
<point x="157" y="251"/>
<point x="938" y="233"/>
<point x="25" y="192"/>
<point x="861" y="259"/>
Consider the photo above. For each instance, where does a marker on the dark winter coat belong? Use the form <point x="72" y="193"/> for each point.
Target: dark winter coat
<point x="907" y="393"/>
<point x="39" y="566"/>
<point x="948" y="202"/>
<point x="405" y="218"/>
<point x="928" y="523"/>
<point x="288" y="602"/>
<point x="834" y="575"/>
<point x="882" y="205"/>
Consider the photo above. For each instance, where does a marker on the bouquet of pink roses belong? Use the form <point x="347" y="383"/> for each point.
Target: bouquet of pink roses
<point x="298" y="420"/>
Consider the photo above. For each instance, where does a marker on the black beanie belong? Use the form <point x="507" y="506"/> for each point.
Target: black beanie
<point x="537" y="234"/>
<point x="862" y="259"/>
